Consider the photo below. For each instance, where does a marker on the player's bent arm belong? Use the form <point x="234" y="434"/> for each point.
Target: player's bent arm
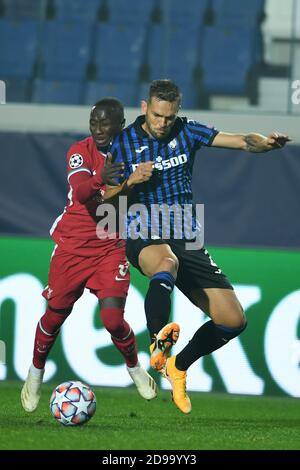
<point x="112" y="193"/>
<point x="253" y="142"/>
<point x="141" y="174"/>
<point x="84" y="186"/>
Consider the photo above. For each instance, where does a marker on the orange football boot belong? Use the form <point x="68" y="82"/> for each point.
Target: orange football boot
<point x="177" y="379"/>
<point x="161" y="347"/>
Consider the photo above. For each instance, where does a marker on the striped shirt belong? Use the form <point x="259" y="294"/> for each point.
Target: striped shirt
<point x="171" y="181"/>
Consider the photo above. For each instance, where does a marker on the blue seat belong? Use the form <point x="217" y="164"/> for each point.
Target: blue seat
<point x="190" y="93"/>
<point x="120" y="11"/>
<point x="187" y="13"/>
<point x="226" y="58"/>
<point x="143" y="92"/>
<point x="237" y="13"/>
<point x="181" y="52"/>
<point x="57" y="92"/>
<point x="124" y="91"/>
<point x="155" y="52"/>
<point x="18" y="48"/>
<point x="25" y="9"/>
<point x="119" y="51"/>
<point x="76" y="10"/>
<point x="17" y="90"/>
<point x="173" y="55"/>
<point x="66" y="50"/>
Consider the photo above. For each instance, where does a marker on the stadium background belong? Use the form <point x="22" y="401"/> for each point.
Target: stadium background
<point x="237" y="64"/>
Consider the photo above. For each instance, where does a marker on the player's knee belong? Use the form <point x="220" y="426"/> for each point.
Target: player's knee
<point x="113" y="321"/>
<point x="116" y="329"/>
<point x="241" y="321"/>
<point x="236" y="320"/>
<point x="170" y="264"/>
<point x="62" y="311"/>
<point x="228" y="333"/>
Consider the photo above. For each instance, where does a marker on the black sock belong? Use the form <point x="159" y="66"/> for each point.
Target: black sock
<point x="207" y="339"/>
<point x="158" y="302"/>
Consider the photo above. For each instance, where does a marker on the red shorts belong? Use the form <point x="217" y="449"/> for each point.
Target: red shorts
<point x="106" y="275"/>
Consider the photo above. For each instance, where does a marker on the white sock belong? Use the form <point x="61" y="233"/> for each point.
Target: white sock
<point x="35" y="371"/>
<point x="133" y="369"/>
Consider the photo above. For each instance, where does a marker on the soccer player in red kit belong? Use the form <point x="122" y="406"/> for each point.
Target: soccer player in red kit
<point x="82" y="260"/>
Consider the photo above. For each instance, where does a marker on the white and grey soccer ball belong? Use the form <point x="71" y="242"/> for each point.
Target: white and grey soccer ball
<point x="72" y="403"/>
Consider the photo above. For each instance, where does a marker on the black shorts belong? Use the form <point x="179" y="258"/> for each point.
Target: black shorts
<point x="196" y="267"/>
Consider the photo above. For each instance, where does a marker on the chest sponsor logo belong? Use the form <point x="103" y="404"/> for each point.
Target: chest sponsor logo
<point x="161" y="164"/>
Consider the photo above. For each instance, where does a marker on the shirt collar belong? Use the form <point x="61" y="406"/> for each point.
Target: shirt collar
<point x="140" y="120"/>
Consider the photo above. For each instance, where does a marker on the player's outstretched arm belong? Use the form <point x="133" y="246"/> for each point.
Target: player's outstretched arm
<point x="253" y="142"/>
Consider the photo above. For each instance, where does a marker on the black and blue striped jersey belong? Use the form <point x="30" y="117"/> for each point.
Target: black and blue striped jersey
<point x="173" y="159"/>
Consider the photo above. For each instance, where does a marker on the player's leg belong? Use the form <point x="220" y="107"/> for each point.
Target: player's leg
<point x="110" y="283"/>
<point x="157" y="261"/>
<point x="209" y="289"/>
<point x="46" y="333"/>
<point x="160" y="265"/>
<point x="112" y="317"/>
<point x="123" y="337"/>
<point x="227" y="318"/>
<point x="61" y="293"/>
<point x="227" y="322"/>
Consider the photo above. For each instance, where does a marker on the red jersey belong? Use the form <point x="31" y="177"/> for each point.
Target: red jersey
<point x="75" y="229"/>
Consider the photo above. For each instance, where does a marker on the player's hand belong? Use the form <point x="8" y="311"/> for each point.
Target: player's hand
<point x="276" y="141"/>
<point x="111" y="172"/>
<point x="141" y="174"/>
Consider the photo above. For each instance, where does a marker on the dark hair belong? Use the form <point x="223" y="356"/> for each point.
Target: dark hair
<point x="113" y="105"/>
<point x="165" y="90"/>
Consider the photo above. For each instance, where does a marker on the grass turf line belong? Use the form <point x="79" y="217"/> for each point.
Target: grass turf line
<point x="123" y="420"/>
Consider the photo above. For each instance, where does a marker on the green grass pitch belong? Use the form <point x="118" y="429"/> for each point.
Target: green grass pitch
<point x="125" y="421"/>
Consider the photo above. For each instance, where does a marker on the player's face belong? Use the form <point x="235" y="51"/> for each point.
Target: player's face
<point x="104" y="126"/>
<point x="159" y="117"/>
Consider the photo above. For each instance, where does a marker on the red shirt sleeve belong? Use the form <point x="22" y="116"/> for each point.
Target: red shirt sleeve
<point x="84" y="186"/>
<point x="84" y="180"/>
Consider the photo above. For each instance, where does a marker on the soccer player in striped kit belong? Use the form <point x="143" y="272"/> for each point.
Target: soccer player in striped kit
<point x="82" y="260"/>
<point x="169" y="144"/>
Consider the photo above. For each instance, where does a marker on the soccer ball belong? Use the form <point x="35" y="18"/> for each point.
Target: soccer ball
<point x="72" y="403"/>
